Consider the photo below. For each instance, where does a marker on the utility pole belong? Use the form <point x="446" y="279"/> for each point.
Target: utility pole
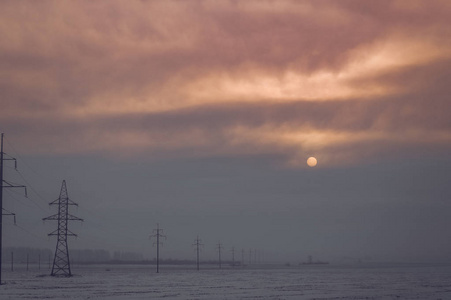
<point x="61" y="262"/>
<point x="233" y="256"/>
<point x="242" y="257"/>
<point x="219" y="247"/>
<point x="158" y="234"/>
<point x="5" y="184"/>
<point x="198" y="245"/>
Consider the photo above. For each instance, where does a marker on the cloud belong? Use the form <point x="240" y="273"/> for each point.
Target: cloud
<point x="348" y="81"/>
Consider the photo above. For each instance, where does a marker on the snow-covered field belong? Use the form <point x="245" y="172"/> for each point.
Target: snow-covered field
<point x="303" y="282"/>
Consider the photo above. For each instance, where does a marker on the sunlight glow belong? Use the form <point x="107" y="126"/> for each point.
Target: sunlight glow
<point x="311" y="161"/>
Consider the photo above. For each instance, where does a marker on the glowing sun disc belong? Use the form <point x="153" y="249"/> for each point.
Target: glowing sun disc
<point x="311" y="161"/>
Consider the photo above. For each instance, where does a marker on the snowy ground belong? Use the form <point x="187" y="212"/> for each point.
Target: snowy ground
<point x="304" y="282"/>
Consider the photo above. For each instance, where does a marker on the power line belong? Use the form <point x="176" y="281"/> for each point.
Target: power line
<point x="16" y="153"/>
<point x="29" y="232"/>
<point x="8" y="213"/>
<point x="34" y="190"/>
<point x="98" y="221"/>
<point x="14" y="196"/>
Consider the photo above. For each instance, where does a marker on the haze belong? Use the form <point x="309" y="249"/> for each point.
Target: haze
<point x="200" y="115"/>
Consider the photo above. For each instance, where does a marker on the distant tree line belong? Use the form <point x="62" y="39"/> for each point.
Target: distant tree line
<point x="21" y="254"/>
<point x="127" y="256"/>
<point x="101" y="255"/>
<point x="90" y="256"/>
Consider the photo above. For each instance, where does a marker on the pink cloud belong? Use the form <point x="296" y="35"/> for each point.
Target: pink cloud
<point x="227" y="77"/>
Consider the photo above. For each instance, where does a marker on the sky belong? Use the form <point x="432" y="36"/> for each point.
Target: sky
<point x="201" y="115"/>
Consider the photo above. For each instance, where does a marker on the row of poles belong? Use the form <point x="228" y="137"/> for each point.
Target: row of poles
<point x="198" y="244"/>
<point x="252" y="254"/>
<point x="28" y="262"/>
<point x="61" y="262"/>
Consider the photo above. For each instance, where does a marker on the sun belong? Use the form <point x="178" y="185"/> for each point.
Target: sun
<point x="311" y="161"/>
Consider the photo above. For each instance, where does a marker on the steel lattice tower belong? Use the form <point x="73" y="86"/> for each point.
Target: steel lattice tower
<point x="61" y="262"/>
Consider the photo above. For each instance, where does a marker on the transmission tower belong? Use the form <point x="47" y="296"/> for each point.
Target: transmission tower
<point x="198" y="245"/>
<point x="61" y="262"/>
<point x="5" y="184"/>
<point x="219" y="247"/>
<point x="158" y="234"/>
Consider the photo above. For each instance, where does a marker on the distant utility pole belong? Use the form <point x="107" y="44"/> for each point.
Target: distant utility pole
<point x="198" y="245"/>
<point x="61" y="262"/>
<point x="219" y="247"/>
<point x="233" y="256"/>
<point x="5" y="184"/>
<point x="158" y="234"/>
<point x="242" y="257"/>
